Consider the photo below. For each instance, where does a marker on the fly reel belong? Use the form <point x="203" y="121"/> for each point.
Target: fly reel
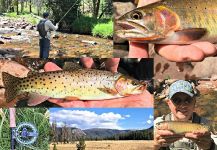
<point x="26" y="133"/>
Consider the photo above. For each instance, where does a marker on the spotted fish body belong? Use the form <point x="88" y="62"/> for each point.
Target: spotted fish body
<point x="180" y="127"/>
<point x="171" y="22"/>
<point x="82" y="84"/>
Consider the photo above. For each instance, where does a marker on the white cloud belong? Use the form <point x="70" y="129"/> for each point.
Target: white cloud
<point x="149" y="121"/>
<point x="87" y="119"/>
<point x="127" y="116"/>
<point x="151" y="116"/>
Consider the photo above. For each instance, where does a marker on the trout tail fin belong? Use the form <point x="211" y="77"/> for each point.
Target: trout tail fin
<point x="11" y="86"/>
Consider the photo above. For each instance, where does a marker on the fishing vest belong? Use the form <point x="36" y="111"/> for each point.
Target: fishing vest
<point x="183" y="144"/>
<point x="41" y="28"/>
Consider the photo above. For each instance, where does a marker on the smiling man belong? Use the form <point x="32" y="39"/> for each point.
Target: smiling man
<point x="181" y="101"/>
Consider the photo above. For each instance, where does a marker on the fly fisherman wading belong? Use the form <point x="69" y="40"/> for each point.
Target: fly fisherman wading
<point x="44" y="27"/>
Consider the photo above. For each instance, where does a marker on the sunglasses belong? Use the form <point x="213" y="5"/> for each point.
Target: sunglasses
<point x="179" y="101"/>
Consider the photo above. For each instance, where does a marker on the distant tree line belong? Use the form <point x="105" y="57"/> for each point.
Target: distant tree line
<point x="96" y="8"/>
<point x="68" y="134"/>
<point x="19" y="5"/>
<point x="132" y="135"/>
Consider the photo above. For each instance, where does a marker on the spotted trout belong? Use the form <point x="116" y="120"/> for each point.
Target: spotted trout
<point x="171" y="22"/>
<point x="180" y="127"/>
<point x="81" y="84"/>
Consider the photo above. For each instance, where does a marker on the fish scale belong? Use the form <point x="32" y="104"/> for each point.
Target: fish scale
<point x="84" y="84"/>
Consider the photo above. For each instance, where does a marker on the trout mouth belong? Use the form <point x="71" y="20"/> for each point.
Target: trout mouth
<point x="126" y="26"/>
<point x="133" y="26"/>
<point x="133" y="31"/>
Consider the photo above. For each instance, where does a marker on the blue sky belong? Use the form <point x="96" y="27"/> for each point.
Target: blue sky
<point x="112" y="118"/>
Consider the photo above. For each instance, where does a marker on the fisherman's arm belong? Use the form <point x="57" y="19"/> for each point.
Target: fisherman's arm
<point x="202" y="139"/>
<point x="51" y="26"/>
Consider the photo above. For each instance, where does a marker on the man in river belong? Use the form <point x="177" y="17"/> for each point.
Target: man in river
<point x="181" y="101"/>
<point x="44" y="27"/>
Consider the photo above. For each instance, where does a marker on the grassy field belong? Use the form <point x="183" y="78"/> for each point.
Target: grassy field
<point x="109" y="145"/>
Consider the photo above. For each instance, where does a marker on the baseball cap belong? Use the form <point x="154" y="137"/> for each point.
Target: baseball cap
<point x="45" y="14"/>
<point x="181" y="86"/>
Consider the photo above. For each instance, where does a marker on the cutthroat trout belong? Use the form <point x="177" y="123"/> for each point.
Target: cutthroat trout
<point x="171" y="22"/>
<point x="180" y="127"/>
<point x="82" y="84"/>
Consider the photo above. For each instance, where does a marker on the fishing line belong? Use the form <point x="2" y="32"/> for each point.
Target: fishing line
<point x="68" y="11"/>
<point x="55" y="33"/>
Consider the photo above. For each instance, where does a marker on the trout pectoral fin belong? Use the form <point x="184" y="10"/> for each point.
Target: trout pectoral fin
<point x="35" y="99"/>
<point x="71" y="98"/>
<point x="109" y="91"/>
<point x="186" y="35"/>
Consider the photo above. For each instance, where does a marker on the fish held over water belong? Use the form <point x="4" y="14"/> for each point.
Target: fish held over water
<point x="171" y="22"/>
<point x="82" y="84"/>
<point x="180" y="127"/>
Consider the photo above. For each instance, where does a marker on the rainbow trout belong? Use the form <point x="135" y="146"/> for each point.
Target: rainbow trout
<point x="82" y="84"/>
<point x="171" y="22"/>
<point x="180" y="127"/>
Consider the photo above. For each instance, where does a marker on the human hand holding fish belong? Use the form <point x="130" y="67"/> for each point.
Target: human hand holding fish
<point x="191" y="48"/>
<point x="164" y="137"/>
<point x="198" y="133"/>
<point x="201" y="138"/>
<point x="144" y="99"/>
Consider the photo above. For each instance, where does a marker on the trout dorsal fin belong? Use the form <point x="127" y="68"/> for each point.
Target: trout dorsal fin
<point x="11" y="86"/>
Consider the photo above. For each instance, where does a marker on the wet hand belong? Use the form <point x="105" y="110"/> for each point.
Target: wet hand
<point x="141" y="100"/>
<point x="164" y="137"/>
<point x="201" y="138"/>
<point x="183" y="53"/>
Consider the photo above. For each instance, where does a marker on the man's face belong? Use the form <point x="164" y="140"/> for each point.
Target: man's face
<point x="181" y="106"/>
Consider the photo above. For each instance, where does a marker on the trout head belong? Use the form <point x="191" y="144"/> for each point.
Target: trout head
<point x="126" y="86"/>
<point x="161" y="125"/>
<point x="149" y="23"/>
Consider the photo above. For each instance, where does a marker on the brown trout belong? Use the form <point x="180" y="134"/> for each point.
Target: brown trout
<point x="81" y="84"/>
<point x="180" y="127"/>
<point x="171" y="22"/>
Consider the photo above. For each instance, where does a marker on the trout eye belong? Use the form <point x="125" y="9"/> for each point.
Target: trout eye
<point x="136" y="15"/>
<point x="134" y="83"/>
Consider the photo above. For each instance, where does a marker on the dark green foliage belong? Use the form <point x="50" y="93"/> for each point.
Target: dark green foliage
<point x="2" y="6"/>
<point x="109" y="134"/>
<point x="107" y="9"/>
<point x="60" y="7"/>
<point x="81" y="145"/>
<point x="85" y="24"/>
